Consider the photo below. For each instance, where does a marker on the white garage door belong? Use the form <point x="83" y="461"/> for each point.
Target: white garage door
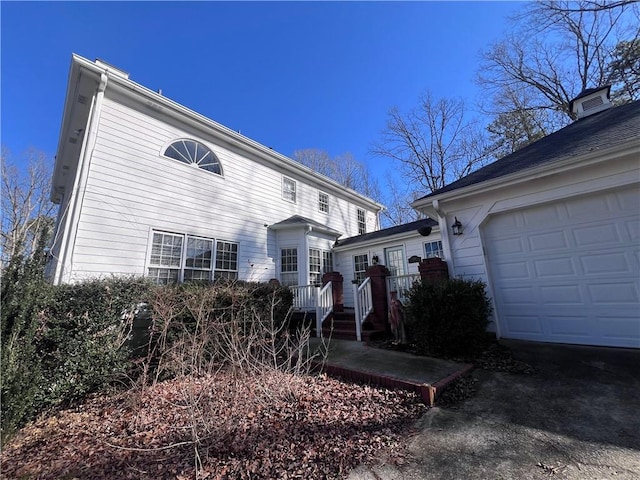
<point x="568" y="272"/>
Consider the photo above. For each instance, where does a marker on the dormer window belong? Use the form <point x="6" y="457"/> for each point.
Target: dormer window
<point x="195" y="154"/>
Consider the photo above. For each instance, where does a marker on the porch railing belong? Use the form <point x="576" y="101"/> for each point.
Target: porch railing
<point x="304" y="297"/>
<point x="324" y="306"/>
<point x="363" y="304"/>
<point x="401" y="284"/>
<point x="311" y="298"/>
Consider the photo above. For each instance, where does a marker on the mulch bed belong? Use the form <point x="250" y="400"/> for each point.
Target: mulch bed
<point x="269" y="426"/>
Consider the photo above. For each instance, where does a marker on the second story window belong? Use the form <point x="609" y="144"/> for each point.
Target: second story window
<point x="362" y="222"/>
<point x="289" y="189"/>
<point x="323" y="202"/>
<point x="195" y="154"/>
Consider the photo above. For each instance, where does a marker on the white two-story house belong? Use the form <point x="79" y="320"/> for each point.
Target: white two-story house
<point x="149" y="187"/>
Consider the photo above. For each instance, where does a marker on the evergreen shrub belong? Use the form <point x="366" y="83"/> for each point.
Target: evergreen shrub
<point x="448" y="318"/>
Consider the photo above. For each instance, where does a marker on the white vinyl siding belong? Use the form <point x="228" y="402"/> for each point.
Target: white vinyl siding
<point x="132" y="188"/>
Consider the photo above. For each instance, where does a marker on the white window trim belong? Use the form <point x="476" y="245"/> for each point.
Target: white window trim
<point x="297" y="272"/>
<point x="295" y="189"/>
<point x="353" y="262"/>
<point x="442" y="256"/>
<point x="364" y="221"/>
<point x="191" y="166"/>
<point x="183" y="254"/>
<point x="320" y="193"/>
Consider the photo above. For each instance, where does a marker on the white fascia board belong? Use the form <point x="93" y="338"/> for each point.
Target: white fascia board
<point x="218" y="130"/>
<point x="542" y="171"/>
<point x="377" y="241"/>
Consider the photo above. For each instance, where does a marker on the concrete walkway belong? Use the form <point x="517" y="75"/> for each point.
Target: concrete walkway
<point x="356" y="361"/>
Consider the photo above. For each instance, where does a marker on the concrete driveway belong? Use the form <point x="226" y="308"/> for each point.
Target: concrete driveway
<point x="578" y="418"/>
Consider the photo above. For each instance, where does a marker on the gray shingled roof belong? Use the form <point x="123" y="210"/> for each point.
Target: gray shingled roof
<point x="595" y="132"/>
<point x="300" y="221"/>
<point x="387" y="232"/>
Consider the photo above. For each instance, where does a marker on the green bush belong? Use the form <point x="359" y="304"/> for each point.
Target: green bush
<point x="84" y="341"/>
<point x="24" y="293"/>
<point x="448" y="318"/>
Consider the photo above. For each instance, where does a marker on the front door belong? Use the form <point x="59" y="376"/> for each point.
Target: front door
<point x="395" y="260"/>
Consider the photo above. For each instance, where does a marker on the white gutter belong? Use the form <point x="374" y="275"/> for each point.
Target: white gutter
<point x="80" y="185"/>
<point x="541" y="171"/>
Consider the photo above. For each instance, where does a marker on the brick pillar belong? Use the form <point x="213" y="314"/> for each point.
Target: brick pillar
<point x="433" y="269"/>
<point x="379" y="317"/>
<point x="337" y="282"/>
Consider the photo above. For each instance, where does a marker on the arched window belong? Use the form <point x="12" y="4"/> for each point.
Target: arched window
<point x="195" y="154"/>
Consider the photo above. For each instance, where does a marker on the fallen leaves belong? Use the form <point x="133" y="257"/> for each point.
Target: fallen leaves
<point x="237" y="426"/>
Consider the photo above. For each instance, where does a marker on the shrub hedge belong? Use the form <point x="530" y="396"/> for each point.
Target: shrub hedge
<point x="60" y="343"/>
<point x="448" y="318"/>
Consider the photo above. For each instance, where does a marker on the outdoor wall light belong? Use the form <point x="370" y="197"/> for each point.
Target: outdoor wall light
<point x="457" y="227"/>
<point x="375" y="259"/>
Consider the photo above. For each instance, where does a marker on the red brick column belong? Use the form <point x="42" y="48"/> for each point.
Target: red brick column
<point x="379" y="317"/>
<point x="337" y="286"/>
<point x="433" y="269"/>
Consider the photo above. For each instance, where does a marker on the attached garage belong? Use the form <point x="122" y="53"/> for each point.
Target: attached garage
<point x="554" y="231"/>
<point x="568" y="271"/>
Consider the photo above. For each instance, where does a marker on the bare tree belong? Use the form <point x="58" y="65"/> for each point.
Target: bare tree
<point x="556" y="50"/>
<point x="344" y="169"/>
<point x="433" y="144"/>
<point x="26" y="208"/>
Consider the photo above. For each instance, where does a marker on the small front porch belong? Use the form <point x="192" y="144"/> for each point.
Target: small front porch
<point x="323" y="307"/>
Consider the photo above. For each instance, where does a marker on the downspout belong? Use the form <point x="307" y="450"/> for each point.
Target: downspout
<point x="444" y="234"/>
<point x="80" y="184"/>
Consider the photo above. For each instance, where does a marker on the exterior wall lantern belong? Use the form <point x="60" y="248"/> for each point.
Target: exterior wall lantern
<point x="457" y="227"/>
<point x="375" y="259"/>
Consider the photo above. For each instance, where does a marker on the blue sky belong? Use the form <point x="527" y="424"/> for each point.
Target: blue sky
<point x="289" y="75"/>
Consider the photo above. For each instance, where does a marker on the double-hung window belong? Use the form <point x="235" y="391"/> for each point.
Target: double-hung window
<point x="289" y="266"/>
<point x="433" y="249"/>
<point x="198" y="259"/>
<point x="360" y="265"/>
<point x="315" y="267"/>
<point x="323" y="202"/>
<point x="362" y="222"/>
<point x="177" y="257"/>
<point x="226" y="261"/>
<point x="289" y="189"/>
<point x="165" y="262"/>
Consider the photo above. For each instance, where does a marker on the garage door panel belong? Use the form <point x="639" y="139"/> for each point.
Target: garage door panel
<point x="570" y="273"/>
<point x="613" y="293"/>
<point x="616" y="262"/>
<point x="632" y="227"/>
<point x="524" y="325"/>
<point x="554" y="267"/>
<point x="512" y="245"/>
<point x="561" y="295"/>
<point x="520" y="296"/>
<point x="569" y="326"/>
<point x="596" y="235"/>
<point x="543" y="242"/>
<point x="516" y="270"/>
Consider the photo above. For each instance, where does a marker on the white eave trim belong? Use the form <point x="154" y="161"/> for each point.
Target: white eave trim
<point x="553" y="168"/>
<point x="377" y="241"/>
<point x="175" y="109"/>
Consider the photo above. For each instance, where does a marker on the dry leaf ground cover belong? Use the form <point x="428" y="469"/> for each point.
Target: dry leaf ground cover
<point x="233" y="426"/>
